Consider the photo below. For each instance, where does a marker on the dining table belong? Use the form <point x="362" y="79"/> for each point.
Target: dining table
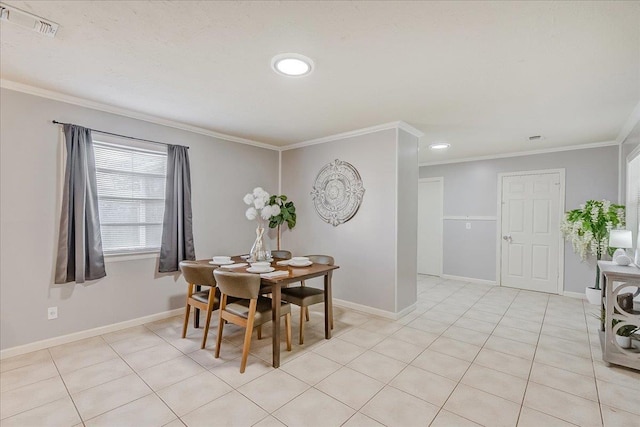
<point x="273" y="284"/>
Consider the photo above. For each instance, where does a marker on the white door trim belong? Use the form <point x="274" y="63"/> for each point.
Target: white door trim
<point x="561" y="174"/>
<point x="439" y="179"/>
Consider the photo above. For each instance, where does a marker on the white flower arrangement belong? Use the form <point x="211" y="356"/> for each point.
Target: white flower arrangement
<point x="259" y="208"/>
<point x="588" y="228"/>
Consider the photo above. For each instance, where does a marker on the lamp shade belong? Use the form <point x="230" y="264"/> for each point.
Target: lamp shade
<point x="621" y="239"/>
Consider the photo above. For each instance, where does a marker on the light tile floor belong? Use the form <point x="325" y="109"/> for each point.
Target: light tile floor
<point x="468" y="355"/>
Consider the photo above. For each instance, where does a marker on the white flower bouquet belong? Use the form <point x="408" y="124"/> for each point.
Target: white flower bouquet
<point x="588" y="228"/>
<point x="259" y="208"/>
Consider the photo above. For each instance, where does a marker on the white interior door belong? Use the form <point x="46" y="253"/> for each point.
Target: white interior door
<point x="430" y="208"/>
<point x="530" y="220"/>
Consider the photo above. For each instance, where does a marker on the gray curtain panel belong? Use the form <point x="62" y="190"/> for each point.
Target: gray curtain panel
<point x="80" y="254"/>
<point x="177" y="230"/>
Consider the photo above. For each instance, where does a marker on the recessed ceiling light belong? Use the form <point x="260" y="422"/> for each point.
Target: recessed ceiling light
<point x="292" y="64"/>
<point x="439" y="146"/>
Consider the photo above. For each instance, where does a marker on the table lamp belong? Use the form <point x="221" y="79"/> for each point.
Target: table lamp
<point x="621" y="239"/>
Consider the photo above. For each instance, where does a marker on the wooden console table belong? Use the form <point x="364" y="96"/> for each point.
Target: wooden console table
<point x="629" y="276"/>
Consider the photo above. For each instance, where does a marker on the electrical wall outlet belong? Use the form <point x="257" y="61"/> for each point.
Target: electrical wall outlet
<point x="52" y="313"/>
<point x="468" y="226"/>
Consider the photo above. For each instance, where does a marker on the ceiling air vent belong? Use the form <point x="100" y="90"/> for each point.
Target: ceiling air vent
<point x="28" y="20"/>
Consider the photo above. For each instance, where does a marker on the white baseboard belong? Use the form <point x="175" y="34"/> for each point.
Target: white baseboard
<point x="375" y="311"/>
<point x="65" y="339"/>
<point x="469" y="279"/>
<point x="579" y="295"/>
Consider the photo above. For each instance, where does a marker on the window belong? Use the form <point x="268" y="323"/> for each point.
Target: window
<point x="131" y="181"/>
<point x="633" y="195"/>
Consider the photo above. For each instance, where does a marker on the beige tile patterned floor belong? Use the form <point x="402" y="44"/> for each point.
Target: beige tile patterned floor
<point x="469" y="355"/>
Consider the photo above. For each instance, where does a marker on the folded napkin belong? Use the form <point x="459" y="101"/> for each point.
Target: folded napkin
<point x="236" y="265"/>
<point x="276" y="273"/>
<point x="285" y="262"/>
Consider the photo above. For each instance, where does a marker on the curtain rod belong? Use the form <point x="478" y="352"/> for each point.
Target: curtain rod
<point x="121" y="136"/>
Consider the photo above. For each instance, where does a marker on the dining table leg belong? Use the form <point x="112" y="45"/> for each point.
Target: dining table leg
<point x="275" y="312"/>
<point x="328" y="305"/>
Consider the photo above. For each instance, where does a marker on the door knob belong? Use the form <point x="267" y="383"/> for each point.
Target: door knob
<point x="507" y="238"/>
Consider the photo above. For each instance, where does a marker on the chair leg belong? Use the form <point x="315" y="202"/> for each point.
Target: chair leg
<point x="301" y="337"/>
<point x="221" y="322"/>
<point x="247" y="335"/>
<point x="287" y="325"/>
<point x="187" y="310"/>
<point x="260" y="332"/>
<point x="206" y="329"/>
<point x="212" y="299"/>
<point x="186" y="320"/>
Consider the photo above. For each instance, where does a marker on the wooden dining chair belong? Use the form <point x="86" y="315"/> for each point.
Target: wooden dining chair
<point x="249" y="311"/>
<point x="280" y="254"/>
<point x="304" y="296"/>
<point x="266" y="290"/>
<point x="197" y="274"/>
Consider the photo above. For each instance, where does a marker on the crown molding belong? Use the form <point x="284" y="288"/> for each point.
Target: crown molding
<point x="629" y="125"/>
<point x="69" y="99"/>
<point x="364" y="131"/>
<point x="523" y="153"/>
<point x="410" y="129"/>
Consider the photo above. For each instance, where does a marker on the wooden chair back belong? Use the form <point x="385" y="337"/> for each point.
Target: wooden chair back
<point x="239" y="285"/>
<point x="281" y="254"/>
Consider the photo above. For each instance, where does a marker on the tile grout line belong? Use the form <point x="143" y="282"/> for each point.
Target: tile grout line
<point x="138" y="375"/>
<point x="66" y="388"/>
<point x="595" y="378"/>
<point x="459" y="380"/>
<point x="184" y="379"/>
<point x="551" y="303"/>
<point x="526" y="386"/>
<point x="471" y="364"/>
<point x="534" y="382"/>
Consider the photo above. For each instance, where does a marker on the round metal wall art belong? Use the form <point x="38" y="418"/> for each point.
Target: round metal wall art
<point x="337" y="192"/>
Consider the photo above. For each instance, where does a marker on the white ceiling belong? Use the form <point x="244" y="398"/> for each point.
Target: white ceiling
<point x="483" y="76"/>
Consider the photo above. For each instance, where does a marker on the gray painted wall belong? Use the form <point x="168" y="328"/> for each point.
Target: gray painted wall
<point x="470" y="188"/>
<point x="363" y="247"/>
<point x="407" y="245"/>
<point x="30" y="149"/>
<point x="462" y="255"/>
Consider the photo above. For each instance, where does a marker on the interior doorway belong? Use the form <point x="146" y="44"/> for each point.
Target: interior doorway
<point x="530" y="244"/>
<point x="430" y="213"/>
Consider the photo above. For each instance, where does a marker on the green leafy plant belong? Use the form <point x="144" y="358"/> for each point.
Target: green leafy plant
<point x="588" y="228"/>
<point x="287" y="212"/>
<point x="626" y="330"/>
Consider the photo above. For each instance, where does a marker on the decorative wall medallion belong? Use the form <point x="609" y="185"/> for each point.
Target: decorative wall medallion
<point x="337" y="192"/>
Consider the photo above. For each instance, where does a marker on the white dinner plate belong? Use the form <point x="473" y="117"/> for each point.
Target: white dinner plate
<point x="302" y="264"/>
<point x="260" y="269"/>
<point x="221" y="263"/>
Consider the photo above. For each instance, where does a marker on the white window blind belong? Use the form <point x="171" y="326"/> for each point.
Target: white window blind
<point x="131" y="183"/>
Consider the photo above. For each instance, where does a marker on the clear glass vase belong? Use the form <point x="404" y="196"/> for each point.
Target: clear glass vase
<point x="260" y="250"/>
